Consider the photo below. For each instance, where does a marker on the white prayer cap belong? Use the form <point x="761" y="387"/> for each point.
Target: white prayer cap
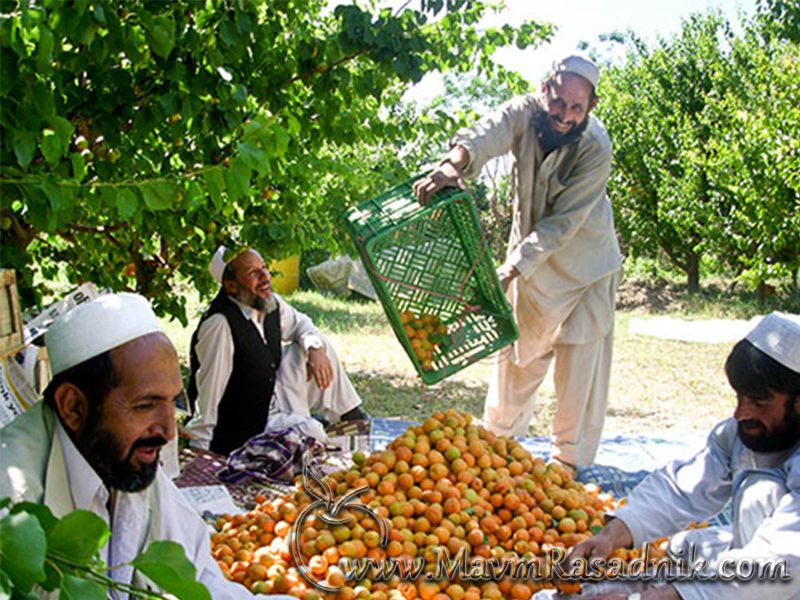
<point x="217" y="264"/>
<point x="579" y="66"/>
<point x="778" y="336"/>
<point x="95" y="327"/>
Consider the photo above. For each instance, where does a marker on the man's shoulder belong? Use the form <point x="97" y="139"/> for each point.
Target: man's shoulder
<point x="25" y="428"/>
<point x="24" y="452"/>
<point x="724" y="434"/>
<point x="596" y="137"/>
<point x="523" y="104"/>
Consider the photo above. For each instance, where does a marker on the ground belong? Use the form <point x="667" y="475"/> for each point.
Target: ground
<point x="656" y="384"/>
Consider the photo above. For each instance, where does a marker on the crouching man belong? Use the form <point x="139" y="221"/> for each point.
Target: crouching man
<point x="94" y="442"/>
<point x="751" y="460"/>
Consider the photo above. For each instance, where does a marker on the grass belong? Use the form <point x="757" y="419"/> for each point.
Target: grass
<point x="656" y="384"/>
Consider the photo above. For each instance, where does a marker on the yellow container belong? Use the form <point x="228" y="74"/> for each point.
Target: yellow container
<point x="285" y="274"/>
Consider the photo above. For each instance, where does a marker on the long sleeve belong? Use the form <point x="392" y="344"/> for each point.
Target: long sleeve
<point x="682" y="492"/>
<point x="776" y="540"/>
<point x="297" y="327"/>
<point x="494" y="134"/>
<point x="215" y="354"/>
<point x="669" y="499"/>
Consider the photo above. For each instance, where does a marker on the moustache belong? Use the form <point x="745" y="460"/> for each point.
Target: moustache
<point x="149" y="442"/>
<point x="558" y="119"/>
<point x="752" y="424"/>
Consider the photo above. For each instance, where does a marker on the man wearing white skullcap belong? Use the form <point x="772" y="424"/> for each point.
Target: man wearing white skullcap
<point x="94" y="442"/>
<point x="563" y="261"/>
<point x="242" y="380"/>
<point x="751" y="461"/>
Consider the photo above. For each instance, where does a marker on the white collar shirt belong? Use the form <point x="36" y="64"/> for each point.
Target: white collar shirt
<point x="128" y="517"/>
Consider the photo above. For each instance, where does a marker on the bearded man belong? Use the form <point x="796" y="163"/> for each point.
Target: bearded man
<point x="751" y="460"/>
<point x="94" y="443"/>
<point x="241" y="376"/>
<point x="563" y="261"/>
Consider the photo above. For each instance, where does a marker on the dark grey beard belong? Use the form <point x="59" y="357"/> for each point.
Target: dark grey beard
<point x="266" y="305"/>
<point x="549" y="140"/>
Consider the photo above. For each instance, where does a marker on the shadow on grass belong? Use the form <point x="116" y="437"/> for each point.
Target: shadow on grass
<point x="340" y="317"/>
<point x="389" y="396"/>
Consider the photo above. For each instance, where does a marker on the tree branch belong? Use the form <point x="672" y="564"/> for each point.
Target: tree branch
<point x="310" y="73"/>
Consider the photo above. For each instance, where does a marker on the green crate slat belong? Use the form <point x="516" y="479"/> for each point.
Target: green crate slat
<point x="435" y="260"/>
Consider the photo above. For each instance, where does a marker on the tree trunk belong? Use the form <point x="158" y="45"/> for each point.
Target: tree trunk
<point x="693" y="272"/>
<point x="794" y="284"/>
<point x="761" y="293"/>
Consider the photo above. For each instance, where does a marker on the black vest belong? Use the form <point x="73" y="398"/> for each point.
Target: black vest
<point x="243" y="409"/>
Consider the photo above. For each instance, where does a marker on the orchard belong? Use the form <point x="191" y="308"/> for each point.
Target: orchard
<point x="136" y="137"/>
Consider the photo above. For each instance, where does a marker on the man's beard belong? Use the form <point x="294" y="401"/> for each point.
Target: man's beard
<point x="549" y="140"/>
<point x="102" y="451"/>
<point x="782" y="439"/>
<point x="264" y="305"/>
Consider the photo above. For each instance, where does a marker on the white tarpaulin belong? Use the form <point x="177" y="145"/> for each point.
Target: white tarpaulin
<point x="340" y="275"/>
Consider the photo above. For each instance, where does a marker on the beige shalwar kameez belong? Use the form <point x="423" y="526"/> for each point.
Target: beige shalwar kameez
<point x="564" y="245"/>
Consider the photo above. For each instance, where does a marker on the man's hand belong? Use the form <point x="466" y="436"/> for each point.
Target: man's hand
<point x="319" y="367"/>
<point x="506" y="274"/>
<point x="614" y="535"/>
<point x="445" y="175"/>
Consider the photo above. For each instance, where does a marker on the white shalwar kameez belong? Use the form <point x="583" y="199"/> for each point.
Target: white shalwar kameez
<point x="764" y="488"/>
<point x="294" y="397"/>
<point x="39" y="463"/>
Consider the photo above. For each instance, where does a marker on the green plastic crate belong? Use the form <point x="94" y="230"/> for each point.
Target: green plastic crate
<point x="434" y="259"/>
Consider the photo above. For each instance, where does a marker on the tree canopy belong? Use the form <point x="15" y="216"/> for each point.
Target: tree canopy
<point x="705" y="128"/>
<point x="137" y="136"/>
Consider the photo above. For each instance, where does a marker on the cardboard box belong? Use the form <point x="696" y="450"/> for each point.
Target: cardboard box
<point x="10" y="315"/>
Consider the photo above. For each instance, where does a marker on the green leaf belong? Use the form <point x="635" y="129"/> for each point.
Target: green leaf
<point x="215" y="182"/>
<point x="158" y="196"/>
<point x="78" y="536"/>
<point x="44" y="48"/>
<point x="237" y="180"/>
<point x="73" y="588"/>
<point x="256" y="129"/>
<point x="161" y="34"/>
<point x="278" y="231"/>
<point x="5" y="586"/>
<point x="127" y="203"/>
<point x="22" y="549"/>
<point x="64" y="130"/>
<point x="239" y="93"/>
<point x="254" y="157"/>
<point x="52" y="149"/>
<point x="167" y="566"/>
<point x="78" y="166"/>
<point x="24" y="147"/>
<point x="42" y="513"/>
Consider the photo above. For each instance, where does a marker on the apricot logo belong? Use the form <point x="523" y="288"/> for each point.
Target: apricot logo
<point x="319" y="489"/>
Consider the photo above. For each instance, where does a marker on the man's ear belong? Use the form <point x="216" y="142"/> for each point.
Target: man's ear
<point x="229" y="286"/>
<point x="72" y="406"/>
<point x="593" y="103"/>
